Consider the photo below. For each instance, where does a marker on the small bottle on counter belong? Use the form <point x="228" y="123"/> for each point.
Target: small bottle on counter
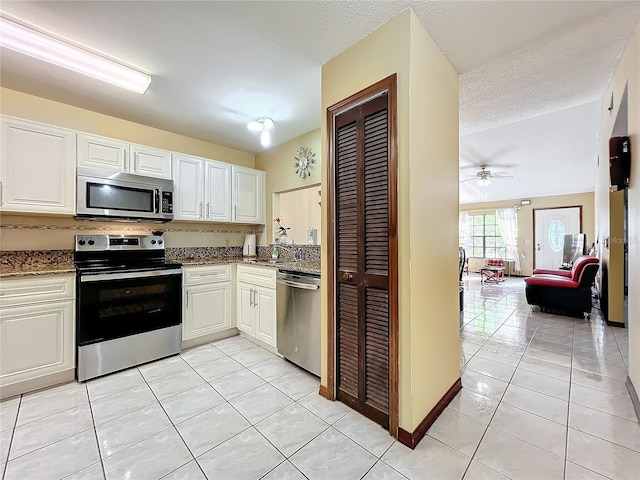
<point x="275" y="254"/>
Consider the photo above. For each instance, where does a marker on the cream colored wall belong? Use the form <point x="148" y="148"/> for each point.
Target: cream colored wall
<point x="279" y="163"/>
<point x="427" y="138"/>
<point x="37" y="109"/>
<point x="616" y="257"/>
<point x="382" y="53"/>
<point x="299" y="209"/>
<point x="433" y="164"/>
<point x="525" y="219"/>
<point x="627" y="74"/>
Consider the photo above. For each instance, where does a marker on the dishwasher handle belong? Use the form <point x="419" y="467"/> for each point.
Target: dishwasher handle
<point x="304" y="286"/>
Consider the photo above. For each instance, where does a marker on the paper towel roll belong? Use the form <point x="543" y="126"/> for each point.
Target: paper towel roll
<point x="249" y="248"/>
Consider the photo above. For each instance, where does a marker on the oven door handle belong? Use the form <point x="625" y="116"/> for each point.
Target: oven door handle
<point x="122" y="276"/>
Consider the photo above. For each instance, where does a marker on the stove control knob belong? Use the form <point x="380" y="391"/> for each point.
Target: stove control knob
<point x="159" y="242"/>
<point x="91" y="242"/>
<point x="81" y="242"/>
<point x="153" y="242"/>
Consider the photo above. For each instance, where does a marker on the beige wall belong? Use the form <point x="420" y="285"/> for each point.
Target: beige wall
<point x="525" y="219"/>
<point x="301" y="209"/>
<point x="627" y="75"/>
<point x="279" y="163"/>
<point x="37" y="109"/>
<point x="427" y="139"/>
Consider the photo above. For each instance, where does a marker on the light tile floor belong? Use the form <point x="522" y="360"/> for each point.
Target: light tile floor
<point x="543" y="398"/>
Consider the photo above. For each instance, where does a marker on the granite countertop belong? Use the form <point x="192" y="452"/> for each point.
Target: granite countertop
<point x="25" y="263"/>
<point x="10" y="271"/>
<point x="58" y="262"/>
<point x="305" y="267"/>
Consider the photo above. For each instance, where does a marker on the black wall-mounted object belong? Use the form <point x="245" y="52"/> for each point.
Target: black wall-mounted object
<point x="619" y="162"/>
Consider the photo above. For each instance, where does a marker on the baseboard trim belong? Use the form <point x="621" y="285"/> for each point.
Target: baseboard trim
<point x="615" y="324"/>
<point x="324" y="392"/>
<point x="634" y="397"/>
<point x="411" y="439"/>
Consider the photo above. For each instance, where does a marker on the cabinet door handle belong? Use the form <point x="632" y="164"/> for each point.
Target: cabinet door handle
<point x="1" y="192"/>
<point x="187" y="301"/>
<point x="235" y="212"/>
<point x="126" y="160"/>
<point x="207" y="209"/>
<point x="255" y="298"/>
<point x="251" y="297"/>
<point x="200" y="209"/>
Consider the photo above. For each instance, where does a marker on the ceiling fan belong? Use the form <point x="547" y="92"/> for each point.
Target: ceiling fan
<point x="484" y="176"/>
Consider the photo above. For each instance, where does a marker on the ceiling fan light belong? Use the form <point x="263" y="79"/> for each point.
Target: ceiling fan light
<point x="483" y="182"/>
<point x="265" y="138"/>
<point x="30" y="42"/>
<point x="254" y="126"/>
<point x="267" y="123"/>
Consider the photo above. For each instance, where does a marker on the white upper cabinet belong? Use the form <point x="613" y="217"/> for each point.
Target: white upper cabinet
<point x="102" y="153"/>
<point x="37" y="168"/>
<point x="189" y="186"/>
<point x="217" y="191"/>
<point x="248" y="190"/>
<point x="151" y="162"/>
<point x="109" y="154"/>
<point x="212" y="191"/>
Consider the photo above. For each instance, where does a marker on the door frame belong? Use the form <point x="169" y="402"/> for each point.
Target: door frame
<point x="389" y="85"/>
<point x="579" y="207"/>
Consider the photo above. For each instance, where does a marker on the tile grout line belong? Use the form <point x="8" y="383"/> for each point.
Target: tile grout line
<point x="13" y="432"/>
<point x="475" y="451"/>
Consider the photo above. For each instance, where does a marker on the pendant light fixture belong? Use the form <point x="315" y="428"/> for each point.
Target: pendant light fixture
<point x="262" y="125"/>
<point x="33" y="43"/>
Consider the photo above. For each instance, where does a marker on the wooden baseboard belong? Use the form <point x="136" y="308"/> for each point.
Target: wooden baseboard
<point x="411" y="439"/>
<point x="324" y="392"/>
<point x="634" y="397"/>
<point x="615" y="324"/>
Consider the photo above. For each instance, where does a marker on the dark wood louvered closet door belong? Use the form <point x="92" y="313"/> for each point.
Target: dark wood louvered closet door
<point x="362" y="258"/>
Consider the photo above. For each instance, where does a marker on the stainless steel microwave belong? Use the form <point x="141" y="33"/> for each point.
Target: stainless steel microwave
<point x="107" y="195"/>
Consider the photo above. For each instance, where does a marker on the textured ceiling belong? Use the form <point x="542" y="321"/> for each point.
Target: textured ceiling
<point x="526" y="66"/>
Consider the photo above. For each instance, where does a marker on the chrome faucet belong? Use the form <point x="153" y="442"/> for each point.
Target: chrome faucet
<point x="298" y="253"/>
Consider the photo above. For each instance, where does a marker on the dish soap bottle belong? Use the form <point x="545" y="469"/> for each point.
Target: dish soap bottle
<point x="274" y="254"/>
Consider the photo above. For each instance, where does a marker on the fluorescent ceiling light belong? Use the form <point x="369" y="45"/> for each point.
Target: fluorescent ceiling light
<point x="48" y="49"/>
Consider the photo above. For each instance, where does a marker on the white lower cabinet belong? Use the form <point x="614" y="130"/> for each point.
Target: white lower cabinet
<point x="37" y="328"/>
<point x="256" y="303"/>
<point x="206" y="300"/>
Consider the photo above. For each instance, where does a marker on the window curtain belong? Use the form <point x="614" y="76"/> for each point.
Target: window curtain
<point x="508" y="223"/>
<point x="462" y="229"/>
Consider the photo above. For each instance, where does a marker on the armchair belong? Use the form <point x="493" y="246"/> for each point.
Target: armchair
<point x="564" y="290"/>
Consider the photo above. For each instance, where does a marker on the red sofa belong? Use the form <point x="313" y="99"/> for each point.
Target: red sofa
<point x="567" y="291"/>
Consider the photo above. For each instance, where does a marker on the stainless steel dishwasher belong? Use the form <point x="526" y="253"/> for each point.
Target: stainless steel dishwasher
<point x="298" y="297"/>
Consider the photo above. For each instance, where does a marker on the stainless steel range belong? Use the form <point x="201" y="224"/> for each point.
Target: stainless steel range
<point x="129" y="303"/>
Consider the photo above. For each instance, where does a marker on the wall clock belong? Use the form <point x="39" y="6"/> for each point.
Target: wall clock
<point x="305" y="159"/>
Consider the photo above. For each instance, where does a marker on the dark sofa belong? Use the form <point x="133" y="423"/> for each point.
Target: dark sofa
<point x="563" y="290"/>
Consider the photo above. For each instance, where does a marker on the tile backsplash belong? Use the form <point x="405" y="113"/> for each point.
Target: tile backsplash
<point x="21" y="232"/>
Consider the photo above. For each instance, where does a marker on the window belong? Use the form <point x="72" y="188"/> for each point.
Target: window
<point x="484" y="237"/>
